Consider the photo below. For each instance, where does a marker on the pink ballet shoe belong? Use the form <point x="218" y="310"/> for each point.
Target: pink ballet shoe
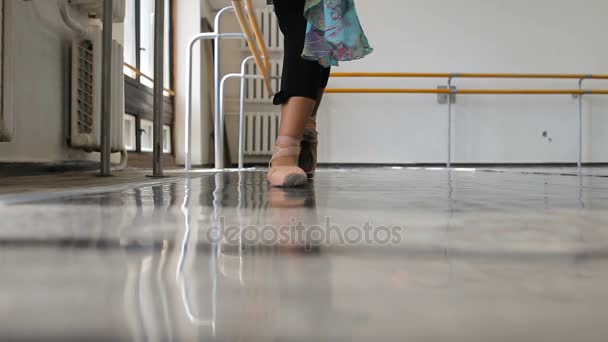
<point x="308" y="154"/>
<point x="286" y="176"/>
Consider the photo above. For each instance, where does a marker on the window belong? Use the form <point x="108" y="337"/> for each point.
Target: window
<point x="139" y="55"/>
<point x="130" y="48"/>
<point x="139" y="41"/>
<point x="147" y="137"/>
<point x="167" y="139"/>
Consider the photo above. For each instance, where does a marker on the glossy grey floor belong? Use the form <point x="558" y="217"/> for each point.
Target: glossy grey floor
<point x="377" y="254"/>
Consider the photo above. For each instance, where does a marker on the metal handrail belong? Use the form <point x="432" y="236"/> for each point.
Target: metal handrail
<point x="580" y="92"/>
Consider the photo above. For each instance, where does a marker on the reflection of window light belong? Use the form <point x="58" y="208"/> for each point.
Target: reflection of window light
<point x="146" y="136"/>
<point x="129" y="132"/>
<point x="147" y="43"/>
<point x="129" y="43"/>
<point x="166" y="139"/>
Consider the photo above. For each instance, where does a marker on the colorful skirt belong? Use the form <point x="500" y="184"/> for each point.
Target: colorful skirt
<point x="334" y="32"/>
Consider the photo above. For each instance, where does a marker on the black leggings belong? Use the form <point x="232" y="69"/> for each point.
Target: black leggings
<point x="301" y="77"/>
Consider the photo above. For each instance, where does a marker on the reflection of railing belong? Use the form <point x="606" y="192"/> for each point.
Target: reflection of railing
<point x="580" y="92"/>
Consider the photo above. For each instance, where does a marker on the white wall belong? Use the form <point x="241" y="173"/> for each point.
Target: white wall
<point x="41" y="100"/>
<point x="554" y="36"/>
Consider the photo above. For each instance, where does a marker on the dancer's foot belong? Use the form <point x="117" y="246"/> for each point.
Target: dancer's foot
<point x="284" y="171"/>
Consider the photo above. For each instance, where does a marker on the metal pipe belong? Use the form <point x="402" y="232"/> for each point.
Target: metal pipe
<point x="220" y="121"/>
<point x="188" y="128"/>
<point x="219" y="132"/>
<point x="106" y="90"/>
<point x="580" y="126"/>
<point x="218" y="127"/>
<point x="159" y="47"/>
<point x="449" y="163"/>
<point x="188" y="119"/>
<point x="243" y="77"/>
<point x="242" y="113"/>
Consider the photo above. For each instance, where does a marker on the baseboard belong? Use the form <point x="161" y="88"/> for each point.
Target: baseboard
<point x="35" y="169"/>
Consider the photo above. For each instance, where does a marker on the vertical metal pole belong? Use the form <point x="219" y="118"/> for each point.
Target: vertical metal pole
<point x="188" y="128"/>
<point x="220" y="118"/>
<point x="106" y="90"/>
<point x="219" y="127"/>
<point x="449" y="163"/>
<point x="219" y="134"/>
<point x="580" y="126"/>
<point x="242" y="112"/>
<point x="159" y="48"/>
<point x="242" y="123"/>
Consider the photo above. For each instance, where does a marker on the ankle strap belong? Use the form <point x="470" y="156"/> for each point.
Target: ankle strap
<point x="279" y="152"/>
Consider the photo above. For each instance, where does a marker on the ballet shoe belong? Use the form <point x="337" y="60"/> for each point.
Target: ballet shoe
<point x="286" y="176"/>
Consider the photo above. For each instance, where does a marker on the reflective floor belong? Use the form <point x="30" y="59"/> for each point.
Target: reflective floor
<point x="376" y="254"/>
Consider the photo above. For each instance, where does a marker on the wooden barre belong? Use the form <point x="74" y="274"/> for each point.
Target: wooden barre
<point x="466" y="75"/>
<point x="246" y="26"/>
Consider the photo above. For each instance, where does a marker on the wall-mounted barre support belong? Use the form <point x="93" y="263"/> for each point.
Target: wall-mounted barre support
<point x="217" y="36"/>
<point x="252" y="34"/>
<point x="243" y="76"/>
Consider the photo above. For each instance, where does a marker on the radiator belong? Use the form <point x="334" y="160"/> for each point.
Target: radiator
<point x="261" y="130"/>
<point x="255" y="91"/>
<point x="86" y="93"/>
<point x="270" y="29"/>
<point x="262" y="124"/>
